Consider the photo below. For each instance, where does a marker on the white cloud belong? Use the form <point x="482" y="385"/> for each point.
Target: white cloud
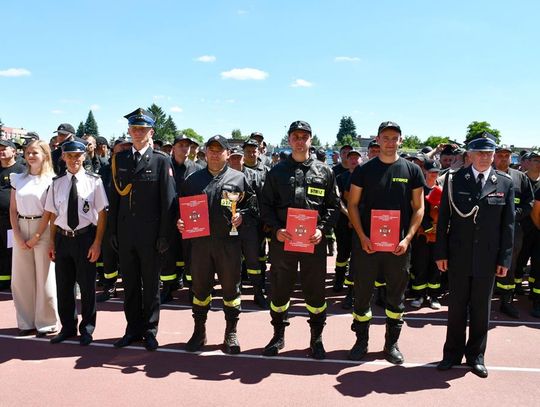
<point x="230" y="101"/>
<point x="176" y="109"/>
<point x="301" y="83"/>
<point x="241" y="12"/>
<point x="95" y="107"/>
<point x="15" y="72"/>
<point x="243" y="74"/>
<point x="57" y="111"/>
<point x="346" y="59"/>
<point x="206" y="58"/>
<point x="161" y="97"/>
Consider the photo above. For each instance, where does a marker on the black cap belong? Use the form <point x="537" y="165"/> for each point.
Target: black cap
<point x="32" y="135"/>
<point x="299" y="125"/>
<point x="448" y="150"/>
<point x="8" y="143"/>
<point x="222" y="141"/>
<point x="102" y="141"/>
<point x="354" y="152"/>
<point x="256" y="134"/>
<point x="321" y="154"/>
<point x="533" y="154"/>
<point x="419" y="157"/>
<point x="251" y="142"/>
<point x="503" y="147"/>
<point x="237" y="151"/>
<point x="275" y="154"/>
<point x="181" y="137"/>
<point x="432" y="166"/>
<point x="426" y="149"/>
<point x="373" y="143"/>
<point x="121" y="140"/>
<point x="389" y="125"/>
<point x="65" y="128"/>
<point x="158" y="143"/>
<point x="344" y="146"/>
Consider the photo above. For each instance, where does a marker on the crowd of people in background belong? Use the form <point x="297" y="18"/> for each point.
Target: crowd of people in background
<point x="80" y="210"/>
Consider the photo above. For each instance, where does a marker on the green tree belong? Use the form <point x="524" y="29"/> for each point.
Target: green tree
<point x="90" y="126"/>
<point x="434" y="141"/>
<point x="411" y="142"/>
<point x="237" y="134"/>
<point x="346" y="127"/>
<point x="315" y="142"/>
<point x="475" y="129"/>
<point x="80" y="130"/>
<point x="192" y="134"/>
<point x="160" y="119"/>
<point x="348" y="139"/>
<point x="284" y="141"/>
<point x="168" y="130"/>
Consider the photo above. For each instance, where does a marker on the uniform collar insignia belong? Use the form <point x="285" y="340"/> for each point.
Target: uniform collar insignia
<point x="467" y="176"/>
<point x="493" y="179"/>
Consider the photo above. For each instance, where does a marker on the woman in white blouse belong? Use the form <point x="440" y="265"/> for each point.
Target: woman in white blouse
<point x="33" y="280"/>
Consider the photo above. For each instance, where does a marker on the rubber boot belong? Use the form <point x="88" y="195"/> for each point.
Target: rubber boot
<point x="507" y="306"/>
<point x="360" y="347"/>
<point x="339" y="278"/>
<point x="391" y="349"/>
<point x="279" y="322"/>
<point x="315" y="343"/>
<point x="349" y="298"/>
<point x="107" y="293"/>
<point x="198" y="339"/>
<point x="230" y="342"/>
<point x="166" y="293"/>
<point x="259" y="298"/>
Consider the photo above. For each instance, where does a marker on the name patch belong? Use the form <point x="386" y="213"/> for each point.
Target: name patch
<point x="225" y="202"/>
<point x="315" y="191"/>
<point x="404" y="180"/>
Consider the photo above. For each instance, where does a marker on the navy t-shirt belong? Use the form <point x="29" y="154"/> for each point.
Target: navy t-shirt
<point x="387" y="186"/>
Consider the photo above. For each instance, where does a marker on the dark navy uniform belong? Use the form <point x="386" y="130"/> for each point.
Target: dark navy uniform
<point x="523" y="201"/>
<point x="307" y="185"/>
<point x="59" y="165"/>
<point x="475" y="234"/>
<point x="141" y="214"/>
<point x="219" y="253"/>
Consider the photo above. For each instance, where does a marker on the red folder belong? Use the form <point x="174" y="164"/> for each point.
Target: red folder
<point x="194" y="213"/>
<point x="385" y="226"/>
<point x="301" y="224"/>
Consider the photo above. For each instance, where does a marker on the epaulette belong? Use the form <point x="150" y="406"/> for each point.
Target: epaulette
<point x="504" y="174"/>
<point x="59" y="176"/>
<point x="92" y="174"/>
<point x="161" y="153"/>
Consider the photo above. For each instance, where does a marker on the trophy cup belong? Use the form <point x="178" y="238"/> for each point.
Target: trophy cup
<point x="234" y="198"/>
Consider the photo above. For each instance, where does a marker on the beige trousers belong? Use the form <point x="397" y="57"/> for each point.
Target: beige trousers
<point x="33" y="281"/>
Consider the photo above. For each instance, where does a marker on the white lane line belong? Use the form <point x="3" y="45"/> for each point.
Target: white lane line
<point x="281" y="358"/>
<point x="406" y="317"/>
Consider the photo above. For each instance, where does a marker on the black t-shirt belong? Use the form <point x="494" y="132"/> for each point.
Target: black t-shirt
<point x="339" y="169"/>
<point x="5" y="185"/>
<point x="387" y="186"/>
<point x="537" y="195"/>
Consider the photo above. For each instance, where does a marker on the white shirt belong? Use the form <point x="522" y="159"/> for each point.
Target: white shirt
<point x="91" y="195"/>
<point x="141" y="151"/>
<point x="30" y="192"/>
<point x="476" y="172"/>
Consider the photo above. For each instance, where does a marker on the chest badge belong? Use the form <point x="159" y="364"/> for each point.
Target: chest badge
<point x="86" y="207"/>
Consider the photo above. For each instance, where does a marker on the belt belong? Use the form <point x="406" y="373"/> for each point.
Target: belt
<point x="73" y="233"/>
<point x="29" y="217"/>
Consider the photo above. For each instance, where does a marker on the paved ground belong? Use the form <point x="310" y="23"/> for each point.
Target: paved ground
<point x="34" y="372"/>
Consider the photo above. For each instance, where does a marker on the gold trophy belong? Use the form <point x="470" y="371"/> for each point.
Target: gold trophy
<point x="234" y="198"/>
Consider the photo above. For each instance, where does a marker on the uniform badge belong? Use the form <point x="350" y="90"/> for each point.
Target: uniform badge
<point x="467" y="176"/>
<point x="493" y="179"/>
<point x="86" y="207"/>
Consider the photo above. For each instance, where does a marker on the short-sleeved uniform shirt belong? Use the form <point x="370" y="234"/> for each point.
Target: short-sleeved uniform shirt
<point x="387" y="186"/>
<point x="91" y="198"/>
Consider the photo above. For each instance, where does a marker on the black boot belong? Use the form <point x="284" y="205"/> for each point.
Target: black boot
<point x="107" y="293"/>
<point x="507" y="306"/>
<point x="279" y="321"/>
<point x="330" y="246"/>
<point x="360" y="347"/>
<point x="315" y="343"/>
<point x="349" y="299"/>
<point x="391" y="349"/>
<point x="166" y="293"/>
<point x="339" y="278"/>
<point x="380" y="300"/>
<point x="230" y="343"/>
<point x="535" y="312"/>
<point x="198" y="339"/>
<point x="259" y="298"/>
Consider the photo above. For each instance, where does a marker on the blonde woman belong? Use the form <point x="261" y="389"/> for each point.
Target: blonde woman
<point x="33" y="282"/>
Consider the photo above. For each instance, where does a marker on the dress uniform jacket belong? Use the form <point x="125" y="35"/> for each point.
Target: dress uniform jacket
<point x="475" y="245"/>
<point x="141" y="212"/>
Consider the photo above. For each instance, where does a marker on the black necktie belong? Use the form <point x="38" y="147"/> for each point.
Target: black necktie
<point x="479" y="182"/>
<point x="73" y="209"/>
<point x="136" y="157"/>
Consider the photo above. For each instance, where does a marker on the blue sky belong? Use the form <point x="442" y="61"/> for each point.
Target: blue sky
<point x="431" y="66"/>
